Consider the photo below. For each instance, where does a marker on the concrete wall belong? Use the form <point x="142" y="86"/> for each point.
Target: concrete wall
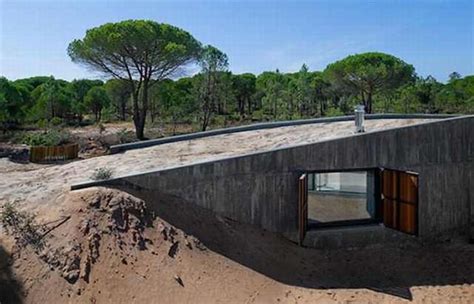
<point x="261" y="188"/>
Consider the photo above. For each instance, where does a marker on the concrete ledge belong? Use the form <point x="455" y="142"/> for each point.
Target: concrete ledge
<point x="267" y="125"/>
<point x="98" y="183"/>
<point x="354" y="237"/>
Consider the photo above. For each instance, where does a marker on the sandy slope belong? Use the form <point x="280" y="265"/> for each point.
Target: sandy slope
<point x="221" y="261"/>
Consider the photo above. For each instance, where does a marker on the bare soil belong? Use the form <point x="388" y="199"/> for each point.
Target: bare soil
<point x="114" y="249"/>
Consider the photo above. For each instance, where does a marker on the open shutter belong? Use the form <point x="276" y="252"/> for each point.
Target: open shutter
<point x="302" y="206"/>
<point x="408" y="203"/>
<point x="400" y="200"/>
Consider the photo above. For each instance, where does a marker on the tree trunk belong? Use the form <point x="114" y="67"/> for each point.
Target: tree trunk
<point x="52" y="110"/>
<point x="208" y="105"/>
<point x="241" y="106"/>
<point x="274" y="108"/>
<point x="142" y="112"/>
<point x="123" y="109"/>
<point x="139" y="126"/>
<point x="205" y="121"/>
<point x="175" y="121"/>
<point x="206" y="111"/>
<point x="369" y="102"/>
<point x="364" y="102"/>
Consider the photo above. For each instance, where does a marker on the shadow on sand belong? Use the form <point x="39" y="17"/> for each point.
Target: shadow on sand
<point x="11" y="291"/>
<point x="388" y="269"/>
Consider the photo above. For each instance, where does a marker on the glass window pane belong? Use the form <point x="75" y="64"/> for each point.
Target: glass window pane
<point x="339" y="196"/>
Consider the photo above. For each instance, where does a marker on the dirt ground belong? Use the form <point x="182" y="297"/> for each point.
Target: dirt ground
<point x="115" y="248"/>
<point x="189" y="255"/>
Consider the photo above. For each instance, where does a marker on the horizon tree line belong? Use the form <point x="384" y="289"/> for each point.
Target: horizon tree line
<point x="142" y="58"/>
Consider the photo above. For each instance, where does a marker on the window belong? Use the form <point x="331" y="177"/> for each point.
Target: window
<point x="376" y="195"/>
<point x="341" y="197"/>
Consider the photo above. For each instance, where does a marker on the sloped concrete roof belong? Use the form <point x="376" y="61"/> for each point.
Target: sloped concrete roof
<point x="212" y="148"/>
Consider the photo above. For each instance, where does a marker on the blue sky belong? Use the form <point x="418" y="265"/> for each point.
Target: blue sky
<point x="435" y="36"/>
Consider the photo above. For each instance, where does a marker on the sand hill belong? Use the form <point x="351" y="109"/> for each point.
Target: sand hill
<point x="111" y="248"/>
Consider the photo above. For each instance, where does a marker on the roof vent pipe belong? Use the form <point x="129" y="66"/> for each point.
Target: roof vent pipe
<point x="359" y="118"/>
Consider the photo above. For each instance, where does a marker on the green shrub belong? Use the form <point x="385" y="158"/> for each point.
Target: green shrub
<point x="334" y="112"/>
<point x="21" y="224"/>
<point x="259" y="115"/>
<point x="56" y="121"/>
<point x="14" y="137"/>
<point x="125" y="135"/>
<point x="103" y="173"/>
<point x="233" y="116"/>
<point x="42" y="123"/>
<point x="218" y="120"/>
<point x="49" y="138"/>
<point x="108" y="114"/>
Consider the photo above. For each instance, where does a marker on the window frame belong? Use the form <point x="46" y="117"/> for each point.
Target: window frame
<point x="378" y="217"/>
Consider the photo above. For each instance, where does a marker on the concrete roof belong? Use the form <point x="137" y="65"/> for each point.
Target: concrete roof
<point x="212" y="148"/>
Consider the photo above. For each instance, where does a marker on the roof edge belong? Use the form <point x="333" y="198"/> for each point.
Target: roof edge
<point x="266" y="125"/>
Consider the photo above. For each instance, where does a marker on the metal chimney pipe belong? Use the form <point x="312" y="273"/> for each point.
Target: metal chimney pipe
<point x="359" y="112"/>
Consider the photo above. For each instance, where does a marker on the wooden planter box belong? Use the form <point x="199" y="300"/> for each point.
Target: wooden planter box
<point x="45" y="154"/>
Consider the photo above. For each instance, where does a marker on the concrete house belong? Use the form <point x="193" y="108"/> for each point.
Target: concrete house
<point x="413" y="182"/>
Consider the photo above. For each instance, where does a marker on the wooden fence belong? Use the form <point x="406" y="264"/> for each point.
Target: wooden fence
<point x="45" y="154"/>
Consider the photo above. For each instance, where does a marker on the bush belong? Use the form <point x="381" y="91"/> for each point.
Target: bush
<point x="103" y="173"/>
<point x="218" y="120"/>
<point x="15" y="137"/>
<point x="42" y="123"/>
<point x="259" y="115"/>
<point x="108" y="114"/>
<point x="234" y="116"/>
<point x="331" y="112"/>
<point x="56" y="121"/>
<point x="22" y="224"/>
<point x="50" y="138"/>
<point x="125" y="136"/>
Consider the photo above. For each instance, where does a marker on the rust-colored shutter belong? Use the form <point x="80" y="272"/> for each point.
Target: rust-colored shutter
<point x="400" y="200"/>
<point x="302" y="206"/>
<point x="408" y="202"/>
<point x="389" y="191"/>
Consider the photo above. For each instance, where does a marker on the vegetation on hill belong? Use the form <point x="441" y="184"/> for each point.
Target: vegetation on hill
<point x="144" y="59"/>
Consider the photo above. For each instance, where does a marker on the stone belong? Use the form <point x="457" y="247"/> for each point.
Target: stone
<point x="173" y="249"/>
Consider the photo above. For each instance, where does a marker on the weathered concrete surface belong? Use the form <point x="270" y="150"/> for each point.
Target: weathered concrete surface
<point x="354" y="237"/>
<point x="261" y="189"/>
<point x="266" y="125"/>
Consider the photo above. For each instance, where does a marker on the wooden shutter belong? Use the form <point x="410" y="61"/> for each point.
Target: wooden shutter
<point x="400" y="200"/>
<point x="302" y="206"/>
